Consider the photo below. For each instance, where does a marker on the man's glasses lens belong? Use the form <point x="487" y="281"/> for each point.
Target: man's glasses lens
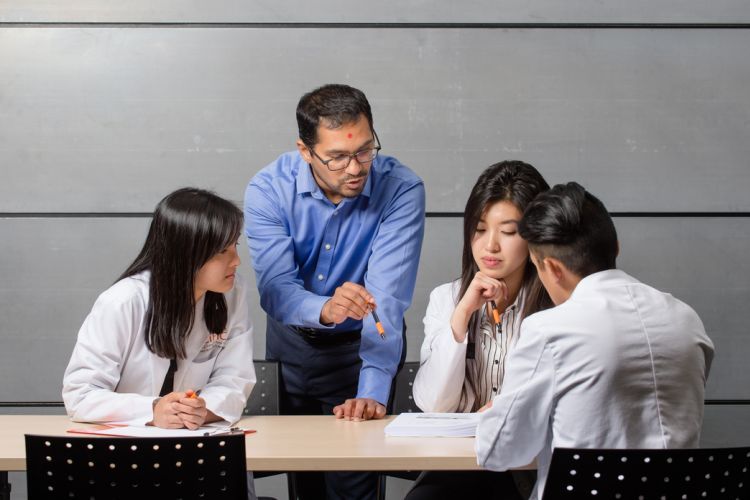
<point x="363" y="157"/>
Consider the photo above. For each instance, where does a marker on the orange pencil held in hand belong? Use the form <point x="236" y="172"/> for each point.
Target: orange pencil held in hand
<point x="378" y="325"/>
<point x="191" y="394"/>
<point x="495" y="312"/>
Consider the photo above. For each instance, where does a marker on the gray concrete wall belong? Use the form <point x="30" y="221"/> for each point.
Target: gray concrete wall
<point x="105" y="108"/>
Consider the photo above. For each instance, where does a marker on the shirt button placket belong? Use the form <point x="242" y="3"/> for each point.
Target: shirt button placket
<point x="325" y="257"/>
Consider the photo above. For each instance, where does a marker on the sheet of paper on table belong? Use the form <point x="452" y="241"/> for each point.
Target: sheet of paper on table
<point x="433" y="425"/>
<point x="147" y="431"/>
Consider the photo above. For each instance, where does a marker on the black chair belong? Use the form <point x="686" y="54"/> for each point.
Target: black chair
<point x="717" y="473"/>
<point x="264" y="400"/>
<point x="124" y="468"/>
<point x="403" y="402"/>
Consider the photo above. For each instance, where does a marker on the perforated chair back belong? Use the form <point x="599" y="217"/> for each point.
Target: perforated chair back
<point x="403" y="400"/>
<point x="719" y="473"/>
<point x="110" y="468"/>
<point x="264" y="400"/>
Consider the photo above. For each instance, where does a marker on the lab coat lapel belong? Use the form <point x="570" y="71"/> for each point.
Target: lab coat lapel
<point x="193" y="345"/>
<point x="159" y="368"/>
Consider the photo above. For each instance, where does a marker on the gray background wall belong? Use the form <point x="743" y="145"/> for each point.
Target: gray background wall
<point x="106" y="107"/>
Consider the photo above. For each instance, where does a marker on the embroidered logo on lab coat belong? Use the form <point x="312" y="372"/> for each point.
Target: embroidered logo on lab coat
<point x="215" y="340"/>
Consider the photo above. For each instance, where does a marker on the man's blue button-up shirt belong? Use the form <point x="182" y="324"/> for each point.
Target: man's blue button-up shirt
<point x="303" y="247"/>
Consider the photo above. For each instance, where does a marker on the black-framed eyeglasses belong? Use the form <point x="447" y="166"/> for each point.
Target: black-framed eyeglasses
<point x="340" y="162"/>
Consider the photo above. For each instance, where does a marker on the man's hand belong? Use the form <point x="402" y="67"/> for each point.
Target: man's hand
<point x="350" y="300"/>
<point x="359" y="409"/>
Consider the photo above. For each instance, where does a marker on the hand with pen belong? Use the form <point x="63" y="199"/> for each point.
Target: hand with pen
<point x="182" y="409"/>
<point x="350" y="300"/>
<point x="482" y="289"/>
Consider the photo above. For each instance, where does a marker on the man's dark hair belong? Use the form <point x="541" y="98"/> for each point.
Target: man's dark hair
<point x="334" y="105"/>
<point x="571" y="225"/>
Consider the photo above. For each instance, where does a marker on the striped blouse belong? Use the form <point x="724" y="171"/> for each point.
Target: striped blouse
<point x="491" y="349"/>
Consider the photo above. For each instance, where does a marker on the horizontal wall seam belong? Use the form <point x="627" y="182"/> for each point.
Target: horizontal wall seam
<point x="355" y="25"/>
<point x="58" y="404"/>
<point x="137" y="215"/>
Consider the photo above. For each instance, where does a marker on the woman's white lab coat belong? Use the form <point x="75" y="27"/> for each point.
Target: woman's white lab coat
<point x="112" y="376"/>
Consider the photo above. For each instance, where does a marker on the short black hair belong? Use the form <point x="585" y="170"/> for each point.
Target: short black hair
<point x="573" y="226"/>
<point x="334" y="104"/>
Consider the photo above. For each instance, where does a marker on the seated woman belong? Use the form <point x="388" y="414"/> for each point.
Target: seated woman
<point x="170" y="343"/>
<point x="471" y="323"/>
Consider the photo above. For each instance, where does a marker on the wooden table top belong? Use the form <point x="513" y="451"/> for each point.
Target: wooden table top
<point x="289" y="443"/>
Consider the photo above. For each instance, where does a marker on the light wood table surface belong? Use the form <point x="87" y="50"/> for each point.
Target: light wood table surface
<point x="287" y="443"/>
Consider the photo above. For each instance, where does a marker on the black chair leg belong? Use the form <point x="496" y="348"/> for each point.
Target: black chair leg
<point x="291" y="485"/>
<point x="4" y="486"/>
<point x="380" y="495"/>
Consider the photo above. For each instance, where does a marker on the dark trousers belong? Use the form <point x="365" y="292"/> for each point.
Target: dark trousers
<point x="449" y="485"/>
<point x="314" y="379"/>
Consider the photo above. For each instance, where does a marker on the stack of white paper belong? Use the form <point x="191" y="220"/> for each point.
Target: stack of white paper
<point x="434" y="424"/>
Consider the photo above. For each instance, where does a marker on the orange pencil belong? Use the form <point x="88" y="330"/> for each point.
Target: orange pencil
<point x="378" y="325"/>
<point x="495" y="312"/>
<point x="191" y="394"/>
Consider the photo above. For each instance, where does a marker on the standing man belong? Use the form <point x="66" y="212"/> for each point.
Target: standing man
<point x="335" y="232"/>
<point x="616" y="364"/>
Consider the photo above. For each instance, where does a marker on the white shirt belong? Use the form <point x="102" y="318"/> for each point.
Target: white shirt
<point x="441" y="376"/>
<point x="112" y="376"/>
<point x="618" y="365"/>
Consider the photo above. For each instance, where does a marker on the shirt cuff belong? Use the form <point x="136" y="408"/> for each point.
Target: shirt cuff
<point x="374" y="384"/>
<point x="308" y="313"/>
<point x="143" y="407"/>
<point x="214" y="404"/>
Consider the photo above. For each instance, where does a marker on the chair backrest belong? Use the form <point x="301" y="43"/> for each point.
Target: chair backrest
<point x="403" y="400"/>
<point x="264" y="400"/>
<point x="653" y="474"/>
<point x="112" y="468"/>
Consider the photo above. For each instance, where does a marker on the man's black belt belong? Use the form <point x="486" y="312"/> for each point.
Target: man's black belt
<point x="316" y="337"/>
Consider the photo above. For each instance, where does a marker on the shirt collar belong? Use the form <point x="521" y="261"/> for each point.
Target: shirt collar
<point x="305" y="180"/>
<point x="602" y="279"/>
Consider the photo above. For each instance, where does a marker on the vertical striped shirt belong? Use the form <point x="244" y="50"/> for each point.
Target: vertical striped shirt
<point x="492" y="345"/>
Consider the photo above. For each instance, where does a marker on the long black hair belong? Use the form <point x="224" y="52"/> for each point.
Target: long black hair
<point x="188" y="228"/>
<point x="518" y="183"/>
